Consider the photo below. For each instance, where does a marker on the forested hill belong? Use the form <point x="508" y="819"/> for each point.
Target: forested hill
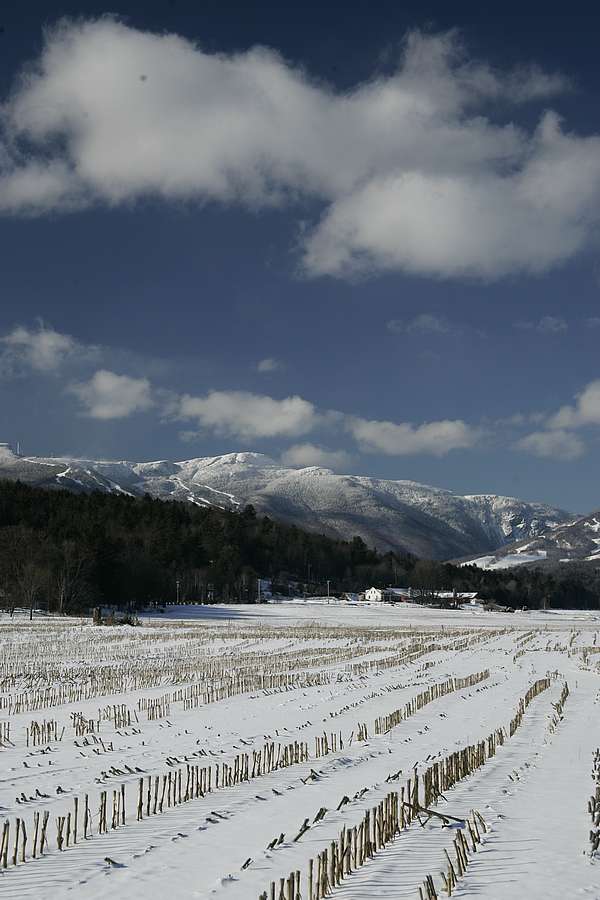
<point x="86" y="548"/>
<point x="71" y="551"/>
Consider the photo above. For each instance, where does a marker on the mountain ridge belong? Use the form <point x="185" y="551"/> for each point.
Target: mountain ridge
<point x="388" y="514"/>
<point x="577" y="541"/>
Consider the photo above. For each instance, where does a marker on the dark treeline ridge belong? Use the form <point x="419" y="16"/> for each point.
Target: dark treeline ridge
<point x="69" y="552"/>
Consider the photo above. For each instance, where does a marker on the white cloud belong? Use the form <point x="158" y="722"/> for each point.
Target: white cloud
<point x="560" y="445"/>
<point x="269" y="365"/>
<point x="242" y="414"/>
<point x="546" y="325"/>
<point x="42" y="348"/>
<point x="311" y="455"/>
<point x="477" y="223"/>
<point x="593" y="322"/>
<point x="249" y="415"/>
<point x="435" y="438"/>
<point x="585" y="411"/>
<point x="110" y="396"/>
<point x="412" y="172"/>
<point x="425" y="323"/>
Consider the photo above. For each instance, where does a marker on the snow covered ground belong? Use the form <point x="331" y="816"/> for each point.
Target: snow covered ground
<point x="230" y="681"/>
<point x="507" y="561"/>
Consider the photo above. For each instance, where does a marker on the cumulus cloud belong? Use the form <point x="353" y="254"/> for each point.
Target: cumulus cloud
<point x="311" y="455"/>
<point x="466" y="223"/>
<point x="558" y="439"/>
<point x="110" y="396"/>
<point x="435" y="438"/>
<point x="242" y="414"/>
<point x="560" y="445"/>
<point x="412" y="171"/>
<point x="269" y="364"/>
<point x="248" y="415"/>
<point x="585" y="410"/>
<point x="546" y="325"/>
<point x="42" y="349"/>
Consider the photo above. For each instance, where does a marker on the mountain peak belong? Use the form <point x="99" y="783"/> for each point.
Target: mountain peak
<point x="241" y="458"/>
<point x="248" y="458"/>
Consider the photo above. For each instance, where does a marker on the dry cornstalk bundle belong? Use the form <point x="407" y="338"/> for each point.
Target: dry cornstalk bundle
<point x="594" y="805"/>
<point x="5" y="740"/>
<point x="82" y="725"/>
<point x="474" y="825"/>
<point x="41" y="733"/>
<point x="557" y="709"/>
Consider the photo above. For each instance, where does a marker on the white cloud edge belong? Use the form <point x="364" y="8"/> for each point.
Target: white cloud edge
<point x="269" y="364"/>
<point x="42" y="349"/>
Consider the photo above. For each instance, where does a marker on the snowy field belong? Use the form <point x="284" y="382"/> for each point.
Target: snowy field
<point x="221" y="752"/>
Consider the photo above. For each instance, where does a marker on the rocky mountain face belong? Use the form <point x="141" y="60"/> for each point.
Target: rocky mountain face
<point x="401" y="515"/>
<point x="576" y="541"/>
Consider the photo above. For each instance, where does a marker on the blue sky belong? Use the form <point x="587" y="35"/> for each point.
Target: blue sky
<point x="371" y="244"/>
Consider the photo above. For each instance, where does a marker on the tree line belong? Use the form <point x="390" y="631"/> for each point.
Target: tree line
<point x="68" y="552"/>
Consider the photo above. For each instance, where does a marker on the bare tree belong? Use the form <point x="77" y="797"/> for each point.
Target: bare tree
<point x="31" y="578"/>
<point x="70" y="580"/>
<point x="24" y="565"/>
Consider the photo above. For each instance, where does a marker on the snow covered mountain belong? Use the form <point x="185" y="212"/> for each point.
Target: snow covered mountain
<point x="428" y="521"/>
<point x="575" y="541"/>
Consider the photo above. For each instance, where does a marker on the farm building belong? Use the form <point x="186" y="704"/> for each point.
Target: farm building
<point x="389" y="595"/>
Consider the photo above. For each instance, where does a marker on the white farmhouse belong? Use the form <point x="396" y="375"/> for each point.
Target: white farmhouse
<point x="389" y="595"/>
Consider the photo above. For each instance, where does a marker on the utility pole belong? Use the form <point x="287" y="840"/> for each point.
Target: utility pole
<point x="258" y="585"/>
<point x="177" y="587"/>
<point x="328" y="588"/>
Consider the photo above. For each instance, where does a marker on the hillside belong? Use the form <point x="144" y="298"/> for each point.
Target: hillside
<point x="387" y="514"/>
